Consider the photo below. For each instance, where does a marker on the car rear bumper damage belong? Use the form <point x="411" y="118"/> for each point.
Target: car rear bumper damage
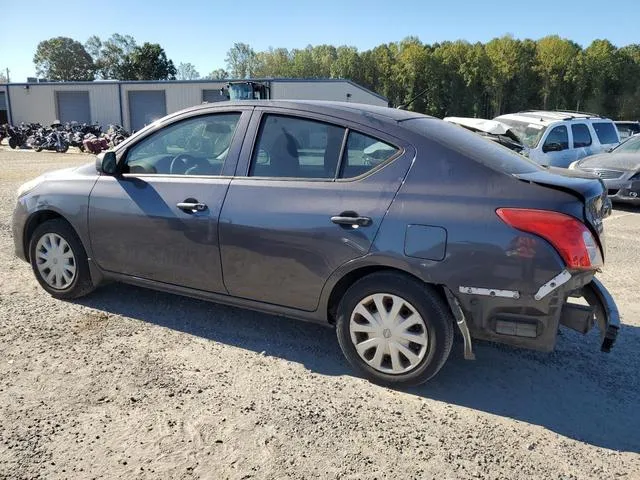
<point x="531" y="320"/>
<point x="605" y="310"/>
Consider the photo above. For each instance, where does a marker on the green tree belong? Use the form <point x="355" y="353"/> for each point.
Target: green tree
<point x="218" y="74"/>
<point x="64" y="59"/>
<point x="603" y="66"/>
<point x="111" y="57"/>
<point x="148" y="62"/>
<point x="241" y="60"/>
<point x="345" y="63"/>
<point x="554" y="56"/>
<point x="187" y="71"/>
<point x="504" y="55"/>
<point x="273" y="63"/>
<point x="629" y="99"/>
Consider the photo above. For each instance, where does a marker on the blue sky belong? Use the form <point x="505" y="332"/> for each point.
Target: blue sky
<point x="201" y="31"/>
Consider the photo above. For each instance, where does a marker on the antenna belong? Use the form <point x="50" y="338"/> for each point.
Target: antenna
<point x="413" y="99"/>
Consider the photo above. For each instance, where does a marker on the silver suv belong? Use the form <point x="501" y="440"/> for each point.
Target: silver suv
<point x="561" y="137"/>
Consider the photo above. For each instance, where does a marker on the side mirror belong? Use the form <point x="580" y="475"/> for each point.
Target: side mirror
<point x="552" y="147"/>
<point x="106" y="163"/>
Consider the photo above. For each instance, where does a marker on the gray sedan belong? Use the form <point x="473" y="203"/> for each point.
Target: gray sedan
<point x="393" y="227"/>
<point x="619" y="170"/>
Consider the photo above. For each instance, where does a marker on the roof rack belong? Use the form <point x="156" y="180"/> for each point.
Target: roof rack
<point x="579" y="112"/>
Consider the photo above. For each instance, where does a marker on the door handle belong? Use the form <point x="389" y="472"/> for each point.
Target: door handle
<point x="192" y="207"/>
<point x="352" y="220"/>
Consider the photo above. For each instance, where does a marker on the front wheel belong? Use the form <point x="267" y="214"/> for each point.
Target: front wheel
<point x="59" y="260"/>
<point x="13" y="143"/>
<point x="62" y="147"/>
<point x="394" y="329"/>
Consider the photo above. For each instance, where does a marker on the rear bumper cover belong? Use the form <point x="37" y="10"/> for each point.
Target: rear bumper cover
<point x="606" y="312"/>
<point x="527" y="322"/>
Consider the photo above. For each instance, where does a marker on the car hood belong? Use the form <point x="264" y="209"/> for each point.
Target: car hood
<point x="617" y="161"/>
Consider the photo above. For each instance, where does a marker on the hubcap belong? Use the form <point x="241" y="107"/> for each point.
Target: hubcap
<point x="389" y="334"/>
<point x="55" y="261"/>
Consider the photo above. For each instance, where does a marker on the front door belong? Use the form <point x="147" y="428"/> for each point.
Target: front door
<point x="158" y="219"/>
<point x="300" y="209"/>
<point x="556" y="149"/>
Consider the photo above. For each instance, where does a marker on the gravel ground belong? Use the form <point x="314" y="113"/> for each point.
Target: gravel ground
<point x="130" y="383"/>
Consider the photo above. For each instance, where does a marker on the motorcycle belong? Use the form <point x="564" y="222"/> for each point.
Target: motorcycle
<point x="17" y="136"/>
<point x="50" y="140"/>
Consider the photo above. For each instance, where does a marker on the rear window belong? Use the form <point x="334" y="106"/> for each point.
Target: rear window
<point x="606" y="132"/>
<point x="472" y="145"/>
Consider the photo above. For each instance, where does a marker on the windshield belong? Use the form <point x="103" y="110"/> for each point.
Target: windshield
<point x="528" y="133"/>
<point x="630" y="146"/>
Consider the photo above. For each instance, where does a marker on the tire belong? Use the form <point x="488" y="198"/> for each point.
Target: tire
<point x="62" y="148"/>
<point x="433" y="326"/>
<point x="13" y="143"/>
<point x="61" y="286"/>
<point x="37" y="148"/>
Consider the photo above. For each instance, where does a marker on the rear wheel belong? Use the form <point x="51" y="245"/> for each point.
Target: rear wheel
<point x="59" y="260"/>
<point x="396" y="330"/>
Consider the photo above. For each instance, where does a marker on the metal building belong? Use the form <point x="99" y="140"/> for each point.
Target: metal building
<point x="135" y="104"/>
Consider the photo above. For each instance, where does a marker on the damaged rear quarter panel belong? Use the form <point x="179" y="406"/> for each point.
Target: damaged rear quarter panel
<point x="447" y="190"/>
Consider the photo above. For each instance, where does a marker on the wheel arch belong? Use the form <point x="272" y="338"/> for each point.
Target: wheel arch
<point x="36" y="219"/>
<point x="353" y="275"/>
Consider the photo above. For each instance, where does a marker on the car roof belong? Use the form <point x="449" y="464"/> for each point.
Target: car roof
<point x="545" y="117"/>
<point x="346" y="110"/>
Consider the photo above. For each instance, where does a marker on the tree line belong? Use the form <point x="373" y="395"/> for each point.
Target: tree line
<point x="459" y="78"/>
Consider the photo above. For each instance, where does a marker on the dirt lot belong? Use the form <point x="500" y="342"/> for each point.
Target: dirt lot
<point x="130" y="383"/>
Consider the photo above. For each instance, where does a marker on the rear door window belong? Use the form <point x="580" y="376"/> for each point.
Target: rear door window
<point x="581" y="135"/>
<point x="364" y="153"/>
<point x="293" y="147"/>
<point x="558" y="135"/>
<point x="606" y="132"/>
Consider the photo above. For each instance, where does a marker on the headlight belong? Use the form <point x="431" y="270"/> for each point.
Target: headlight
<point x="574" y="165"/>
<point x="30" y="185"/>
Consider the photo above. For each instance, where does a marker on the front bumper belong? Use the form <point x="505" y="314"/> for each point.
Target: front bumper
<point x="627" y="191"/>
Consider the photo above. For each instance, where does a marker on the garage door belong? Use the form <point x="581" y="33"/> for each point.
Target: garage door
<point x="73" y="107"/>
<point x="4" y="118"/>
<point x="211" y="96"/>
<point x="145" y="107"/>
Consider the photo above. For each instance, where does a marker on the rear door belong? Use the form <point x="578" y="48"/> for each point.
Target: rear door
<point x="582" y="140"/>
<point x="309" y="195"/>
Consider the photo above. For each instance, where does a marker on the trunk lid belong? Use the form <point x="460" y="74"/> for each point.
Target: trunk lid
<point x="588" y="188"/>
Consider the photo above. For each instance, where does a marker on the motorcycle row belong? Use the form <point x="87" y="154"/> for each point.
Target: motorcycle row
<point x="58" y="137"/>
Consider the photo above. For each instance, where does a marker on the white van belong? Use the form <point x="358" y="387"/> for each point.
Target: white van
<point x="560" y="138"/>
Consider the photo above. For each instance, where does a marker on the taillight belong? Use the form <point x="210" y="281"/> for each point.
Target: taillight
<point x="569" y="236"/>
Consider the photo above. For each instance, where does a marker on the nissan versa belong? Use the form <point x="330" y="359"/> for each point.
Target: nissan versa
<point x="394" y="227"/>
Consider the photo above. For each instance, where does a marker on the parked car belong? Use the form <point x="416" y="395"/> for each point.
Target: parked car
<point x="627" y="129"/>
<point x="392" y="226"/>
<point x="618" y="169"/>
<point x="559" y="138"/>
<point x="490" y="129"/>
